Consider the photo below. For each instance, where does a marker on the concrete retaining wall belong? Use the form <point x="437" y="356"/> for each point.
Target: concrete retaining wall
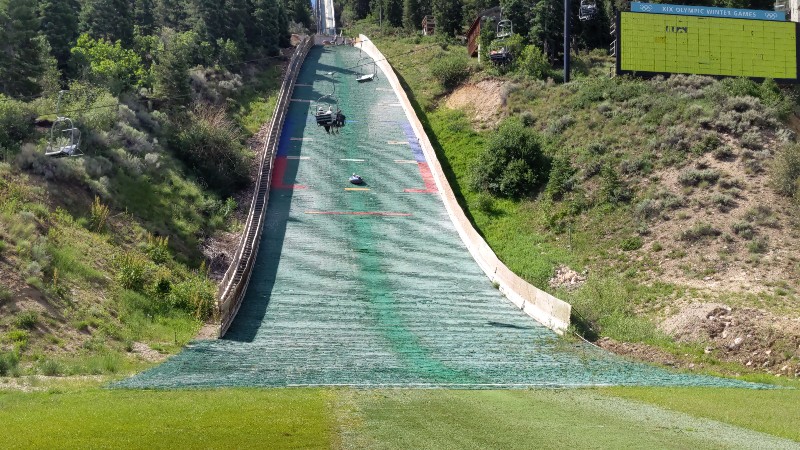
<point x="543" y="307"/>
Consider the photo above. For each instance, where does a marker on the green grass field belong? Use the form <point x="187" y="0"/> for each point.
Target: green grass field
<point x="90" y="417"/>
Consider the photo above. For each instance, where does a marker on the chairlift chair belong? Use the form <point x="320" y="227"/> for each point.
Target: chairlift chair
<point x="587" y="10"/>
<point x="65" y="138"/>
<point x="505" y="28"/>
<point x="502" y="56"/>
<point x="364" y="76"/>
<point x="327" y="115"/>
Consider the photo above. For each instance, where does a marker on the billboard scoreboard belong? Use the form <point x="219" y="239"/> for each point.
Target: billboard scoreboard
<point x="672" y="43"/>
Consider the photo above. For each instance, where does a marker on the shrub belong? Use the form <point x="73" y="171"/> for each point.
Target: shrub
<point x="195" y="295"/>
<point x="157" y="248"/>
<point x="512" y="164"/>
<point x="723" y="202"/>
<point x="785" y="170"/>
<point x="8" y="363"/>
<point x="50" y="368"/>
<point x="16" y="122"/>
<point x="210" y="145"/>
<point x="5" y="294"/>
<point x="723" y="153"/>
<point x="98" y="216"/>
<point x="699" y="231"/>
<point x="132" y="271"/>
<point x="612" y="189"/>
<point x="758" y="245"/>
<point x="693" y="177"/>
<point x="533" y="62"/>
<point x="561" y="178"/>
<point x="26" y="320"/>
<point x="631" y="243"/>
<point x="449" y="71"/>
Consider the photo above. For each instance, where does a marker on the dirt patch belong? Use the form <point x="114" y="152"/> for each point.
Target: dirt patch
<point x="482" y="102"/>
<point x="144" y="352"/>
<point x="751" y="337"/>
<point x="567" y="278"/>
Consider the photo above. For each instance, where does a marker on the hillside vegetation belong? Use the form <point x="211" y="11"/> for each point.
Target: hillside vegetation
<point x="108" y="260"/>
<point x="663" y="210"/>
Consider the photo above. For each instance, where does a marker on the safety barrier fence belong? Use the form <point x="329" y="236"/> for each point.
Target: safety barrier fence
<point x="541" y="306"/>
<point x="234" y="284"/>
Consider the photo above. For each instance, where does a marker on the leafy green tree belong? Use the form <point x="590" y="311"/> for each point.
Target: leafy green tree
<point x="20" y="59"/>
<point x="111" y="65"/>
<point x="107" y="19"/>
<point x="448" y="15"/>
<point x="59" y="23"/>
<point x="512" y="164"/>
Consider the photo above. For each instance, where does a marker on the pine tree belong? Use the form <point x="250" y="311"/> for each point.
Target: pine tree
<point x="59" y="23"/>
<point x="171" y="70"/>
<point x="394" y="12"/>
<point x="237" y="23"/>
<point x="448" y="15"/>
<point x="173" y="14"/>
<point x="412" y="16"/>
<point x="143" y="16"/>
<point x="265" y="33"/>
<point x="20" y="59"/>
<point x="107" y="19"/>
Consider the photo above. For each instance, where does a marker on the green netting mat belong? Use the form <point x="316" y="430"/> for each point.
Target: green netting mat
<point x="374" y="287"/>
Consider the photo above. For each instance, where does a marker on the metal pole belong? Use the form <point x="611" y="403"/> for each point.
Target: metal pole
<point x="566" y="40"/>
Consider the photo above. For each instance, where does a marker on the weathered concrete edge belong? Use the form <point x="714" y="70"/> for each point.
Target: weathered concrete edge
<point x="541" y="306"/>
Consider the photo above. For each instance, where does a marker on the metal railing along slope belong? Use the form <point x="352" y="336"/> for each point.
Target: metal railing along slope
<point x="234" y="285"/>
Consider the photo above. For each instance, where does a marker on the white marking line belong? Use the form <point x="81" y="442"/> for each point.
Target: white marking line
<point x="301" y="139"/>
<point x="405" y="161"/>
<point x="397" y="142"/>
<point x="384" y="89"/>
<point x="298" y="157"/>
<point x="303" y="85"/>
<point x="300" y="100"/>
<point x="353" y="160"/>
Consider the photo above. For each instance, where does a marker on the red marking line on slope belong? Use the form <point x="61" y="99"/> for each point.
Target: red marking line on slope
<point x="427" y="177"/>
<point x="359" y="213"/>
<point x="278" y="173"/>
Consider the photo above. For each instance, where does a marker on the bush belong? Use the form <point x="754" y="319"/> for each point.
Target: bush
<point x="693" y="177"/>
<point x="210" y="145"/>
<point x="561" y="178"/>
<point x="16" y="122"/>
<point x="612" y="189"/>
<point x="99" y="216"/>
<point x="195" y="295"/>
<point x="133" y="271"/>
<point x="758" y="245"/>
<point x="8" y="363"/>
<point x="26" y="320"/>
<point x="699" y="231"/>
<point x="533" y="62"/>
<point x="785" y="170"/>
<point x="631" y="243"/>
<point x="50" y="368"/>
<point x="449" y="71"/>
<point x="512" y="165"/>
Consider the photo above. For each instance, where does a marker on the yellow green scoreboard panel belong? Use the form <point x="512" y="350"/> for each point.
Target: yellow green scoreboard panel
<point x="665" y="43"/>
